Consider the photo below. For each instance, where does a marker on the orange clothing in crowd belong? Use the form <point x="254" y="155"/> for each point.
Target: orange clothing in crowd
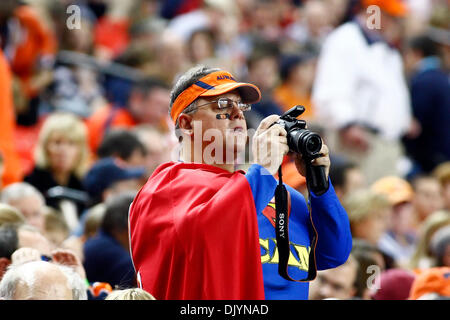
<point x="108" y="117"/>
<point x="104" y="118"/>
<point x="12" y="168"/>
<point x="287" y="99"/>
<point x="36" y="41"/>
<point x="112" y="35"/>
<point x="26" y="138"/>
<point x="431" y="281"/>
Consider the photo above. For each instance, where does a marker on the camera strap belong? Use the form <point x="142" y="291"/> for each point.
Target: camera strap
<point x="282" y="234"/>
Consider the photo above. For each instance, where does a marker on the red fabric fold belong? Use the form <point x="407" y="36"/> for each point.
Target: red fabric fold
<point x="194" y="235"/>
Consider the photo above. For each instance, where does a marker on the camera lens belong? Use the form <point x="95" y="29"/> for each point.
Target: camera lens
<point x="305" y="142"/>
<point x="313" y="144"/>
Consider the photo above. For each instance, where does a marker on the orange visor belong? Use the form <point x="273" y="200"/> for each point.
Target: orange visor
<point x="214" y="84"/>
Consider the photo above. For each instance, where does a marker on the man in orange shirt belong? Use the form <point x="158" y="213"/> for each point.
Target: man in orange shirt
<point x="146" y="104"/>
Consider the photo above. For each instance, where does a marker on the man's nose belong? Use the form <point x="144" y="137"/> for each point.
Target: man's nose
<point x="236" y="113"/>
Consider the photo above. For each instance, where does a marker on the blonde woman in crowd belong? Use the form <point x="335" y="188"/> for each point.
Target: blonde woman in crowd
<point x="61" y="156"/>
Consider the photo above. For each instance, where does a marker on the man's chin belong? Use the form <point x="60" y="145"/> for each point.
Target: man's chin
<point x="236" y="154"/>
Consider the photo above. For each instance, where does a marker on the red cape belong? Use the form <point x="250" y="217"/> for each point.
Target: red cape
<point x="194" y="235"/>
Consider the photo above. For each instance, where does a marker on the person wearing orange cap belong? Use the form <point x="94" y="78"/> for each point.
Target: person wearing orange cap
<point x="199" y="229"/>
<point x="360" y="90"/>
<point x="400" y="240"/>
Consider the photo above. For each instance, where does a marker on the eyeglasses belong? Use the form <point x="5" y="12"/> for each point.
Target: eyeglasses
<point x="226" y="104"/>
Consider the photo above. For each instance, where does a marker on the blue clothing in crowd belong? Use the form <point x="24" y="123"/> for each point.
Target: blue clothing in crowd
<point x="430" y="100"/>
<point x="106" y="260"/>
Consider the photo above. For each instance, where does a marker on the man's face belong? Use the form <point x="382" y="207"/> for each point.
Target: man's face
<point x="373" y="226"/>
<point x="32" y="208"/>
<point x="228" y="136"/>
<point x="428" y="197"/>
<point x="392" y="28"/>
<point x="150" y="108"/>
<point x="335" y="283"/>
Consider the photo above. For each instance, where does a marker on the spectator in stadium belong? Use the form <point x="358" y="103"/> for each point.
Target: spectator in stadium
<point x="109" y="177"/>
<point x="393" y="284"/>
<point x="30" y="46"/>
<point x="263" y="72"/>
<point x="431" y="284"/>
<point x="28" y="200"/>
<point x="427" y="197"/>
<point x="76" y="87"/>
<point x="8" y="244"/>
<point x="347" y="177"/>
<point x="430" y="101"/>
<point x="124" y="145"/>
<point x="41" y="280"/>
<point x="423" y="256"/>
<point x="297" y="73"/>
<point x="440" y="247"/>
<point x="203" y="188"/>
<point x="30" y="237"/>
<point x="400" y="238"/>
<point x="145" y="103"/>
<point x="160" y="146"/>
<point x="130" y="294"/>
<point x="56" y="229"/>
<point x="106" y="255"/>
<point x="337" y="283"/>
<point x="201" y="47"/>
<point x="17" y="236"/>
<point x="10" y="164"/>
<point x="314" y="23"/>
<point x="360" y="91"/>
<point x="370" y="260"/>
<point x="442" y="173"/>
<point x="61" y="156"/>
<point x="369" y="214"/>
<point x="115" y="18"/>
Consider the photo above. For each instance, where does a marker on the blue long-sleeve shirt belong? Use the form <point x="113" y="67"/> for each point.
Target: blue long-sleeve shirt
<point x="330" y="221"/>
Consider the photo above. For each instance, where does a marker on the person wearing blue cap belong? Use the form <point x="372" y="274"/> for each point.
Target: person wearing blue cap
<point x="108" y="177"/>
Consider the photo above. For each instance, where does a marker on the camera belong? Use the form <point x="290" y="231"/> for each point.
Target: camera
<point x="308" y="144"/>
<point x="300" y="140"/>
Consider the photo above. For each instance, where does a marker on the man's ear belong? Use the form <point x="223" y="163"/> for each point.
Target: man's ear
<point x="185" y="124"/>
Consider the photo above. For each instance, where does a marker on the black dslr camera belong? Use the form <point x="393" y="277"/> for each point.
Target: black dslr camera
<point x="308" y="144"/>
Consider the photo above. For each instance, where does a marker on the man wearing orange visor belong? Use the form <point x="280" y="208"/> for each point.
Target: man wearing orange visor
<point x="199" y="229"/>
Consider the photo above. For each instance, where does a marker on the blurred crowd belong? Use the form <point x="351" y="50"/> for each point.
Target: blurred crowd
<point x="85" y="89"/>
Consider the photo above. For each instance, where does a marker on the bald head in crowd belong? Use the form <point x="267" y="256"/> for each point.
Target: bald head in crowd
<point x="41" y="280"/>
